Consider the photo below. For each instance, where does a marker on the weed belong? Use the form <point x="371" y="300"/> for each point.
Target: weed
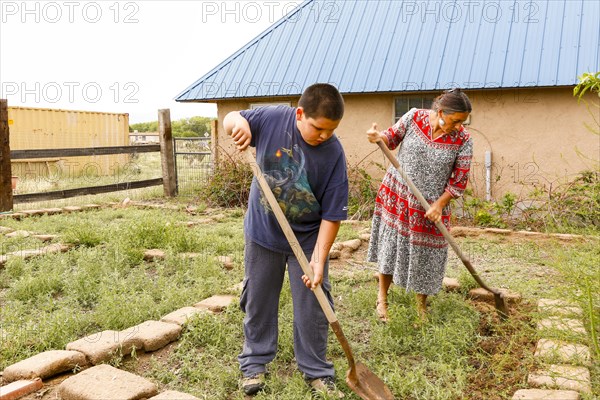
<point x="229" y="185"/>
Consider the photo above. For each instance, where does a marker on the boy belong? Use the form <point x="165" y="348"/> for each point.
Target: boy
<point x="305" y="165"/>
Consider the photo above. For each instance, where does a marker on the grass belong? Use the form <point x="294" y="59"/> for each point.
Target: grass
<point x="102" y="283"/>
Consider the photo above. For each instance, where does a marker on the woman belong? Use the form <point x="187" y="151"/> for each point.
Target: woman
<point x="436" y="155"/>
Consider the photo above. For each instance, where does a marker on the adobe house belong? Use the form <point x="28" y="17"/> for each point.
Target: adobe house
<point x="517" y="61"/>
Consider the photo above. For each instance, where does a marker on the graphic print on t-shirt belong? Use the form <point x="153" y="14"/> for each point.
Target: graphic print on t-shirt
<point x="287" y="178"/>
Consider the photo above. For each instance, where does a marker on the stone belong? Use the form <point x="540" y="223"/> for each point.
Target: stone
<point x="558" y="307"/>
<point x="481" y="294"/>
<point x="365" y="237"/>
<point x="52" y="248"/>
<point x="4" y="230"/>
<point x="153" y="335"/>
<point x="336" y="246"/>
<point x="173" y="395"/>
<point x="451" y="284"/>
<point x="216" y="303"/>
<point x="567" y="236"/>
<point x="563" y="352"/>
<point x="91" y="206"/>
<point x="563" y="377"/>
<point x="17" y="215"/>
<point x="529" y="233"/>
<point x="554" y="303"/>
<point x="72" y="208"/>
<point x="126" y="202"/>
<point x="226" y="262"/>
<point x="52" y="211"/>
<point x="181" y="316"/>
<point x="238" y="287"/>
<point x="353" y="244"/>
<point x="45" y="238"/>
<point x="541" y="394"/>
<point x="561" y="324"/>
<point x="218" y="217"/>
<point x="334" y="254"/>
<point x="154" y="254"/>
<point x="18" y="389"/>
<point x="498" y="231"/>
<point x="103" y="346"/>
<point x="201" y="221"/>
<point x="32" y="213"/>
<point x="17" y="234"/>
<point x="45" y="365"/>
<point x="106" y="383"/>
<point x="462" y="231"/>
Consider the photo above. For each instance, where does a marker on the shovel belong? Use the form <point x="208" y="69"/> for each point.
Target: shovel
<point x="500" y="302"/>
<point x="362" y="381"/>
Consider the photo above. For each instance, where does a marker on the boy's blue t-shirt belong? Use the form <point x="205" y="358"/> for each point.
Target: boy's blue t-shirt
<point x="309" y="182"/>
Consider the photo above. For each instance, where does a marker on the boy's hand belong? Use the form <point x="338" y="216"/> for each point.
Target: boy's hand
<point x="317" y="276"/>
<point x="238" y="128"/>
<point x="241" y="136"/>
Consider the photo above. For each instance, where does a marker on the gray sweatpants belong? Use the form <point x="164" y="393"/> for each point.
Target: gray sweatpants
<point x="264" y="273"/>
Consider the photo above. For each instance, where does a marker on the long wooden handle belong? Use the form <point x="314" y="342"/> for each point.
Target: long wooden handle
<point x="438" y="224"/>
<point x="299" y="253"/>
<point x="290" y="236"/>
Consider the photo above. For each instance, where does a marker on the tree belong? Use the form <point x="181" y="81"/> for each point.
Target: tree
<point x="185" y="127"/>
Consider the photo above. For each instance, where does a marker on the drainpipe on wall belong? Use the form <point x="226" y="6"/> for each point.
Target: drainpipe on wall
<point x="488" y="175"/>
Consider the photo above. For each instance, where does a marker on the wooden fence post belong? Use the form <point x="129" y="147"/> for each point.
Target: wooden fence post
<point x="166" y="153"/>
<point x="6" y="195"/>
<point x="214" y="140"/>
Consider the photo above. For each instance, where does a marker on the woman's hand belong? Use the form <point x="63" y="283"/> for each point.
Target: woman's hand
<point x="375" y="136"/>
<point x="434" y="214"/>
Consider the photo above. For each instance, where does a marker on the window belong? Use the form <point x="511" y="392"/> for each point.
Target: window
<point x="281" y="103"/>
<point x="405" y="103"/>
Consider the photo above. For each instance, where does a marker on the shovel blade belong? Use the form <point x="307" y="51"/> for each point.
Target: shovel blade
<point x="366" y="384"/>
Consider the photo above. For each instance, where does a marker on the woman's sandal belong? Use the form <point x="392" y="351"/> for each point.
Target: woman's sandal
<point x="382" y="311"/>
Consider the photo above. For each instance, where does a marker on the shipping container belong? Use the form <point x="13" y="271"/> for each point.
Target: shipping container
<point x="42" y="128"/>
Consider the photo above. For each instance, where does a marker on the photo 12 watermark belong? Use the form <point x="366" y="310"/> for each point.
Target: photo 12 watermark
<point x="270" y="11"/>
<point x="54" y="12"/>
<point x="70" y="92"/>
<point x="469" y="11"/>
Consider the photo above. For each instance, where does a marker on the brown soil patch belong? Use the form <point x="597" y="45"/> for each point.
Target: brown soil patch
<point x="504" y="355"/>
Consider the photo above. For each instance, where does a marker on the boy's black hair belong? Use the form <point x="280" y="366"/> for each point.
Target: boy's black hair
<point x="322" y="100"/>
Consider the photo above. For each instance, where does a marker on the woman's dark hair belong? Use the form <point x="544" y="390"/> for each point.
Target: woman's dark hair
<point x="452" y="101"/>
<point x="322" y="100"/>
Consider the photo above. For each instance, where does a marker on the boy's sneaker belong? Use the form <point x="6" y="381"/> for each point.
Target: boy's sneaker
<point x="325" y="388"/>
<point x="253" y="384"/>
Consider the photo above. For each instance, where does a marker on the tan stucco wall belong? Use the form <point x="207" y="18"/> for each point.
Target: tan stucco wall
<point x="537" y="136"/>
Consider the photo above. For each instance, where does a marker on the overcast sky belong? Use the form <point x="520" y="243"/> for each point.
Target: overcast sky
<point x="122" y="56"/>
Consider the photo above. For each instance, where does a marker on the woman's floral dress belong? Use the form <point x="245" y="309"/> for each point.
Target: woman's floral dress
<point x="404" y="243"/>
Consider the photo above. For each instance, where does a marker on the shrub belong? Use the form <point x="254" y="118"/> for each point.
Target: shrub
<point x="229" y="186"/>
<point x="362" y="190"/>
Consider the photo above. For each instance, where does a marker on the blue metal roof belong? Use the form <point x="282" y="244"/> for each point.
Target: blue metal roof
<point x="366" y="46"/>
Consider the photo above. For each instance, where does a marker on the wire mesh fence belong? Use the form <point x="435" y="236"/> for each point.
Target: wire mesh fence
<point x="193" y="163"/>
